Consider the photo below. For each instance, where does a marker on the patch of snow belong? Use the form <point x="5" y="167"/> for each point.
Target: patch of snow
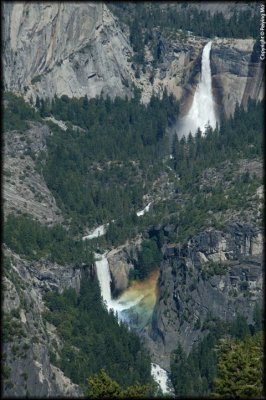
<point x="259" y="192"/>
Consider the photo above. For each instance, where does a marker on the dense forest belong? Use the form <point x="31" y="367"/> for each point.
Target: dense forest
<point x="93" y="184"/>
<point x="101" y="171"/>
<point x="17" y="113"/>
<point x="240" y="24"/>
<point x="33" y="240"/>
<point x="237" y="137"/>
<point x="210" y="363"/>
<point x="93" y="339"/>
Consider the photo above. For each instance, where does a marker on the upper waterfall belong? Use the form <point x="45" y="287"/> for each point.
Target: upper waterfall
<point x="202" y="112"/>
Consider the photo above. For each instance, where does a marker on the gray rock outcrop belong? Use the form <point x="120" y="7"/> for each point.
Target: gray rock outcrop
<point x="82" y="49"/>
<point x="28" y="339"/>
<point x="63" y="48"/>
<point x="215" y="275"/>
<point x="24" y="189"/>
<point x="121" y="261"/>
<point x="235" y="76"/>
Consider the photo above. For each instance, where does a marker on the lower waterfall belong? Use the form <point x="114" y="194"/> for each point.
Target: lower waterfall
<point x="104" y="278"/>
<point x="136" y="297"/>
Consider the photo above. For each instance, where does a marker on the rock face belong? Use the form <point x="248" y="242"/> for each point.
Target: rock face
<point x="236" y="77"/>
<point x="81" y="49"/>
<point x="63" y="48"/>
<point x="24" y="188"/>
<point x="29" y="339"/>
<point x="121" y="261"/>
<point x="215" y="275"/>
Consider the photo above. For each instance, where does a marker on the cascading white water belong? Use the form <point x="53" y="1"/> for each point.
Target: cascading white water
<point x="104" y="278"/>
<point x="202" y="112"/>
<point x="119" y="306"/>
<point x="162" y="378"/>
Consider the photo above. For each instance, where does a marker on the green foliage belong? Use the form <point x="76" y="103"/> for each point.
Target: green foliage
<point x="239" y="327"/>
<point x="148" y="260"/>
<point x="7" y="264"/>
<point x="240" y="368"/>
<point x="17" y="112"/>
<point x="12" y="327"/>
<point x="193" y="375"/>
<point x="28" y="237"/>
<point x="148" y="22"/>
<point x="101" y="386"/>
<point x="211" y="268"/>
<point x="238" y="137"/>
<point x="93" y="339"/>
<point x="258" y="317"/>
<point x="96" y="173"/>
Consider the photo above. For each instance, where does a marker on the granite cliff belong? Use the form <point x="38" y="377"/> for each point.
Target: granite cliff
<point x="63" y="48"/>
<point x="82" y="49"/>
<point x="216" y="274"/>
<point x="78" y="50"/>
<point x="28" y="339"/>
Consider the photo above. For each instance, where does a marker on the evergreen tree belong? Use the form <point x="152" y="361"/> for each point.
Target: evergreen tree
<point x="240" y="368"/>
<point x="101" y="386"/>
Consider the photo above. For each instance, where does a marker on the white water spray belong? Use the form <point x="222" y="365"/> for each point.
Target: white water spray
<point x="162" y="378"/>
<point x="104" y="278"/>
<point x="97" y="232"/>
<point x="118" y="306"/>
<point x="201" y="113"/>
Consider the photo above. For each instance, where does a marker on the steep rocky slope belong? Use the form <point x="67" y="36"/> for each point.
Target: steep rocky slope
<point x="28" y="339"/>
<point x="216" y="274"/>
<point x="236" y="77"/>
<point x="82" y="49"/>
<point x="24" y="188"/>
<point x="63" y="48"/>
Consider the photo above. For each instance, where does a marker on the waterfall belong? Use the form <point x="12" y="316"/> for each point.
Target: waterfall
<point x="104" y="278"/>
<point x="120" y="306"/>
<point x="202" y="111"/>
<point x="162" y="378"/>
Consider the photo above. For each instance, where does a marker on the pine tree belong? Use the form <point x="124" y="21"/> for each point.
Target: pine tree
<point x="101" y="386"/>
<point x="240" y="368"/>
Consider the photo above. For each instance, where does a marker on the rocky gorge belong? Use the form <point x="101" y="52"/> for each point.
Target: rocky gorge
<point x="65" y="49"/>
<point x="215" y="275"/>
